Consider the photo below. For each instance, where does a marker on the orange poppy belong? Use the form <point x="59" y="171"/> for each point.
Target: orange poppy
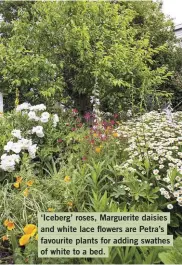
<point x="16" y="185"/>
<point x="24" y="240"/>
<point x="30" y="229"/>
<point x="10" y="225"/>
<point x="18" y="179"/>
<point x="29" y="183"/>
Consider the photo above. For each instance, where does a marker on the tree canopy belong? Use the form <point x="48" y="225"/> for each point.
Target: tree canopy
<point x="63" y="50"/>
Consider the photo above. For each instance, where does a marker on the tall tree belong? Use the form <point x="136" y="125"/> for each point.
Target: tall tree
<point x="59" y="50"/>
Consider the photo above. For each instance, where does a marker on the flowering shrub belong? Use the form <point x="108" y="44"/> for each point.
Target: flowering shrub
<point x="8" y="162"/>
<point x="155" y="152"/>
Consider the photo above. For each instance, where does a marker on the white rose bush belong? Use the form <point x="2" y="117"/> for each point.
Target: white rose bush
<point x="18" y="145"/>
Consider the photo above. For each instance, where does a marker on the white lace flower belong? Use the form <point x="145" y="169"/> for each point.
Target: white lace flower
<point x="157" y="177"/>
<point x="176" y="194"/>
<point x="155" y="171"/>
<point x="178" y="178"/>
<point x="179" y="199"/>
<point x="162" y="190"/>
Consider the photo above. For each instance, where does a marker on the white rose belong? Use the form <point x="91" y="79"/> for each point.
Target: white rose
<point x="32" y="150"/>
<point x="8" y="146"/>
<point x="32" y="116"/>
<point x="24" y="106"/>
<point x="16" y="133"/>
<point x="16" y="148"/>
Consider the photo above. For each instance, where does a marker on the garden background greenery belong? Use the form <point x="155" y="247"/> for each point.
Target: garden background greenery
<point x="92" y="121"/>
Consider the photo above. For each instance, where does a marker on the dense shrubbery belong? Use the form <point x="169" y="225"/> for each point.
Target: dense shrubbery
<point x="155" y="151"/>
<point x="63" y="165"/>
<point x="59" y="51"/>
<point x="63" y="159"/>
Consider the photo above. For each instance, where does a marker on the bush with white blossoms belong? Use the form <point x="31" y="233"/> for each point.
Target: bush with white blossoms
<point x="8" y="162"/>
<point x="44" y="117"/>
<point x="35" y="113"/>
<point x="32" y="116"/>
<point x="23" y="106"/>
<point x="155" y="150"/>
<point x="38" y="130"/>
<point x="16" y="133"/>
<point x="19" y="144"/>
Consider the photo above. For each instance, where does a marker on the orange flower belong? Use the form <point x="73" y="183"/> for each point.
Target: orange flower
<point x="29" y="183"/>
<point x="97" y="149"/>
<point x="10" y="225"/>
<point x="4" y="238"/>
<point x="67" y="179"/>
<point x="24" y="240"/>
<point x="30" y="229"/>
<point x="70" y="204"/>
<point x="25" y="193"/>
<point x="50" y="210"/>
<point x="36" y="237"/>
<point x="115" y="134"/>
<point x="18" y="179"/>
<point x="6" y="222"/>
<point x="16" y="185"/>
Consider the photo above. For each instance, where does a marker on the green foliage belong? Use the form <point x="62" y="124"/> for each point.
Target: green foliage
<point x="58" y="51"/>
<point x="174" y="255"/>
